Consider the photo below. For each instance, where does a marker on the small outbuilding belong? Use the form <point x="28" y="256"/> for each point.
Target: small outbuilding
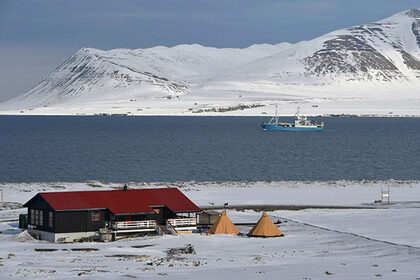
<point x="265" y="228"/>
<point x="208" y="217"/>
<point x="223" y="225"/>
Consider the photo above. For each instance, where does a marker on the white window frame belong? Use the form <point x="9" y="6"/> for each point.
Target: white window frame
<point x="32" y="216"/>
<point x="36" y="217"/>
<point x="41" y="217"/>
<point x="50" y="219"/>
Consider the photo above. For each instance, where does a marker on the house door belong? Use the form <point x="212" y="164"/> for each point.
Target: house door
<point x="159" y="215"/>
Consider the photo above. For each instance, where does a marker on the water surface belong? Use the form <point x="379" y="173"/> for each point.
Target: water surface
<point x="121" y="149"/>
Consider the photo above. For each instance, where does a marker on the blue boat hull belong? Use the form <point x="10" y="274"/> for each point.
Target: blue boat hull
<point x="267" y="126"/>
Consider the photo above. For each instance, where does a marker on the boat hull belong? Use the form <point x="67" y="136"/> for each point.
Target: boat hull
<point x="267" y="126"/>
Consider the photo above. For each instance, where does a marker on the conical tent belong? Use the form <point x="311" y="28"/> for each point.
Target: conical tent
<point x="265" y="228"/>
<point x="223" y="225"/>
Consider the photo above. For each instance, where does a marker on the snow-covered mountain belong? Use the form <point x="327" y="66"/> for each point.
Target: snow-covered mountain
<point x="372" y="68"/>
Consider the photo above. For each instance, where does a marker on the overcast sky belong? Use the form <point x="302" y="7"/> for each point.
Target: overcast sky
<point x="36" y="36"/>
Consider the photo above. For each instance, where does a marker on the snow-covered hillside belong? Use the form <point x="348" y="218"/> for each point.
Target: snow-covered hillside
<point x="367" y="69"/>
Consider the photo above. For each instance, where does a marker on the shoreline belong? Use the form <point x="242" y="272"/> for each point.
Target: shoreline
<point x="214" y="115"/>
<point x="184" y="183"/>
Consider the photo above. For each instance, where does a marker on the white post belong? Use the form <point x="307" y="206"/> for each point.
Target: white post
<point x="385" y="194"/>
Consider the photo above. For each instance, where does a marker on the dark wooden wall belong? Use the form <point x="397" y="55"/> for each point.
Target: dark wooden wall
<point x="40" y="204"/>
<point x="77" y="221"/>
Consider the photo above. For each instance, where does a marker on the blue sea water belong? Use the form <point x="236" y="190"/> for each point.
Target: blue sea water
<point x="122" y="149"/>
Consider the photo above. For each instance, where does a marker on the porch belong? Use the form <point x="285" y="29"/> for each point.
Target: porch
<point x="182" y="224"/>
<point x="173" y="226"/>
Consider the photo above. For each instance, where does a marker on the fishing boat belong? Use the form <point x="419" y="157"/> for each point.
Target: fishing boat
<point x="301" y="123"/>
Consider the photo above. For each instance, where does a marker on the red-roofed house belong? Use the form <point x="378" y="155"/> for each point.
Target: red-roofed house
<point x="69" y="216"/>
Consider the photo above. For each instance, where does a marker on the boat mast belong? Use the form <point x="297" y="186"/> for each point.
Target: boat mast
<point x="275" y="118"/>
<point x="297" y="112"/>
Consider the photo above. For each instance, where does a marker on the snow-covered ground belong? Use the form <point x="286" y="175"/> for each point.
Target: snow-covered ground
<point x="257" y="99"/>
<point x="333" y="193"/>
<point x="362" y="243"/>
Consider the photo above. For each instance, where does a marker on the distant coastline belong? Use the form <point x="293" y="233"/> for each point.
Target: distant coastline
<point x="215" y="115"/>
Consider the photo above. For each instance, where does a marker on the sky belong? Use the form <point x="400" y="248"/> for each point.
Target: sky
<point x="36" y="36"/>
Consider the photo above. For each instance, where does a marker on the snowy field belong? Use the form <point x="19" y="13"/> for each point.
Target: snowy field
<point x="355" y="100"/>
<point x="368" y="241"/>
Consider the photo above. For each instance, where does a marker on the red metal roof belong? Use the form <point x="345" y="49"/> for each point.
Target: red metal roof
<point x="120" y="202"/>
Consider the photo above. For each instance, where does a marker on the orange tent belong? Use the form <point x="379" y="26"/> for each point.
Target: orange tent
<point x="223" y="225"/>
<point x="265" y="228"/>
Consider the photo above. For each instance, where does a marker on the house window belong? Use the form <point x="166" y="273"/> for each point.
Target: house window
<point x="36" y="217"/>
<point x="50" y="219"/>
<point x="95" y="216"/>
<point x="32" y="216"/>
<point x="41" y="217"/>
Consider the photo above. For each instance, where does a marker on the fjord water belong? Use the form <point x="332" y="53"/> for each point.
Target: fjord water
<point x="122" y="149"/>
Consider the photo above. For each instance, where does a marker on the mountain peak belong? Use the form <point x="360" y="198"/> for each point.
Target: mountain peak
<point x="87" y="51"/>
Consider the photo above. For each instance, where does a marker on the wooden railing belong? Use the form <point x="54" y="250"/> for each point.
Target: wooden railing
<point x="133" y="225"/>
<point x="183" y="222"/>
<point x="172" y="226"/>
<point x="159" y="229"/>
<point x="171" y="229"/>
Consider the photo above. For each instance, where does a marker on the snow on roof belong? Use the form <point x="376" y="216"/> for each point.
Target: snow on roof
<point x="118" y="201"/>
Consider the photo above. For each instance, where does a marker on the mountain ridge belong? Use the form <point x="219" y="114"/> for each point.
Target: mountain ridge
<point x="376" y="55"/>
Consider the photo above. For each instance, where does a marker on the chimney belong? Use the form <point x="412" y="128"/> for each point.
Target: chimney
<point x="125" y="188"/>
